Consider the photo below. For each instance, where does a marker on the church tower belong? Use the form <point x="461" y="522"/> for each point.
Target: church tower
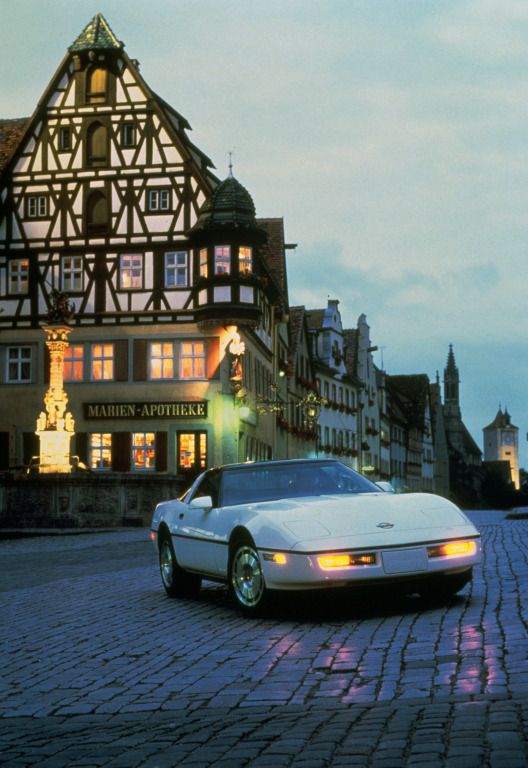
<point x="501" y="443"/>
<point x="451" y="387"/>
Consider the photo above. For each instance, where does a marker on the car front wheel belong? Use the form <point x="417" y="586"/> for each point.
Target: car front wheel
<point x="246" y="580"/>
<point x="177" y="581"/>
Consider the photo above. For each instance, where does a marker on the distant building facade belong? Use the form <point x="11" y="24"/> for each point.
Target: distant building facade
<point x="501" y="444"/>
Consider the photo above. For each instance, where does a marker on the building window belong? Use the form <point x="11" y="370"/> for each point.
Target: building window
<point x="203" y="265"/>
<point x="192" y="360"/>
<point x="222" y="259"/>
<point x="18" y="365"/>
<point x="131" y="272"/>
<point x="158" y="199"/>
<point x="96" y="86"/>
<point x="245" y="260"/>
<point x="192" y="451"/>
<point x="72" y="273"/>
<point x="97" y="144"/>
<point x="176" y="269"/>
<point x="65" y="138"/>
<point x="162" y="360"/>
<point x="100" y="450"/>
<point x="128" y="135"/>
<point x="73" y="369"/>
<point x="97" y="212"/>
<point x="18" y="276"/>
<point x="102" y="362"/>
<point x="143" y="451"/>
<point x="37" y="207"/>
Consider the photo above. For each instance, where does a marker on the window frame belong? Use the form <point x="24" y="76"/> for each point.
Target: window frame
<point x="220" y="258"/>
<point x="101" y="449"/>
<point x="20" y="362"/>
<point x="245" y="257"/>
<point x="158" y="199"/>
<point x="106" y="346"/>
<point x="70" y="273"/>
<point x="19" y="273"/>
<point x="176" y="269"/>
<point x="96" y="96"/>
<point x="128" y="135"/>
<point x="65" y="138"/>
<point x="37" y="206"/>
<point x="167" y="352"/>
<point x="70" y="363"/>
<point x="131" y="269"/>
<point x="144" y="447"/>
<point x="194" y="358"/>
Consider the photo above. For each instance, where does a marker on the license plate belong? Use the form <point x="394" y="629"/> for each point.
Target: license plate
<point x="405" y="560"/>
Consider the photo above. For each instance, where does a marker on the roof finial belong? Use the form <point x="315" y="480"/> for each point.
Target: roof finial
<point x="230" y="164"/>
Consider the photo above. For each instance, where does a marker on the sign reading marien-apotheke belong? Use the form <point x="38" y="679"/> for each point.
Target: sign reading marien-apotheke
<point x="158" y="410"/>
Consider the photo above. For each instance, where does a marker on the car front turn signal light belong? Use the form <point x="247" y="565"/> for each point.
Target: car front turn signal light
<point x="276" y="557"/>
<point x="453" y="549"/>
<point x="345" y="561"/>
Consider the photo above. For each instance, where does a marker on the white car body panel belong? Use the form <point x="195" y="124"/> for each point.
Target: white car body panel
<point x="304" y="527"/>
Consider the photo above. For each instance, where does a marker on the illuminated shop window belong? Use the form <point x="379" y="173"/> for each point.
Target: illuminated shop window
<point x="204" y="269"/>
<point x="176" y="269"/>
<point x="192" y="452"/>
<point x="18" y="365"/>
<point x="245" y="260"/>
<point x="192" y="360"/>
<point x="143" y="451"/>
<point x="131" y="272"/>
<point x="102" y="362"/>
<point x="162" y="360"/>
<point x="18" y="276"/>
<point x="222" y="259"/>
<point x="74" y="363"/>
<point x="72" y="273"/>
<point x="100" y="450"/>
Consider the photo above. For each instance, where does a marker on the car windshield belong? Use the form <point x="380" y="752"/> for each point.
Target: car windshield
<point x="243" y="485"/>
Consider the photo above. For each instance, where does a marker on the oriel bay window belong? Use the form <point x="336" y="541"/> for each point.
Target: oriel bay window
<point x="222" y="259"/>
<point x="245" y="260"/>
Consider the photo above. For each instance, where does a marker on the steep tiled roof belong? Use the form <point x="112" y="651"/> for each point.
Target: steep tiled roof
<point x="230" y="205"/>
<point x="11" y="132"/>
<point x="314" y="319"/>
<point x="273" y="253"/>
<point x="501" y="421"/>
<point x="97" y="35"/>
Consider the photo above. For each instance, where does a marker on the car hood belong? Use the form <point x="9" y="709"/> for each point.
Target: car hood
<point x="356" y="520"/>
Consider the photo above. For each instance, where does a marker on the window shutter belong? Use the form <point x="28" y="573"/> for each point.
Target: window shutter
<point x="213" y="357"/>
<point x="4" y="450"/>
<point x="161" y="451"/>
<point x="81" y="446"/>
<point x="121" y="360"/>
<point x="140" y="360"/>
<point x="30" y="446"/>
<point x="121" y="446"/>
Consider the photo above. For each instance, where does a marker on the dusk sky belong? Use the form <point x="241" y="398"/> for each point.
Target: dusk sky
<point x="391" y="135"/>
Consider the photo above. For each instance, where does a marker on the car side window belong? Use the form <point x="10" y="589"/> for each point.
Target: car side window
<point x="208" y="487"/>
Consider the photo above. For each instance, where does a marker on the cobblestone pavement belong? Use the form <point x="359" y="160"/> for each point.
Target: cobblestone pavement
<point x="100" y="668"/>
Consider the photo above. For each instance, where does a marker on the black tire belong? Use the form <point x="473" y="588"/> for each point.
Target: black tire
<point x="444" y="587"/>
<point x="176" y="581"/>
<point x="246" y="579"/>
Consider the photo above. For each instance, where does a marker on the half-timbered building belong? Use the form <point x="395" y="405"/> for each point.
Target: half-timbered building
<point x="104" y="198"/>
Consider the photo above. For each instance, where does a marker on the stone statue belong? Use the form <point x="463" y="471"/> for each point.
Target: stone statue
<point x="61" y="310"/>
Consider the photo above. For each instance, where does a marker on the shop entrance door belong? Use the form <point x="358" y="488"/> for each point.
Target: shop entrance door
<point x="192" y="453"/>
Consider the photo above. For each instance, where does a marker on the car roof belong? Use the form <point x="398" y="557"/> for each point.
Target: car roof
<point x="273" y="463"/>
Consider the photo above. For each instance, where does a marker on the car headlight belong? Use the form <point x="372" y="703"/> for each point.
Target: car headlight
<point x="453" y="549"/>
<point x="346" y="561"/>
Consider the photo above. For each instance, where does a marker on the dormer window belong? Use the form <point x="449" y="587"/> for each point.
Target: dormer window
<point x="96" y="86"/>
<point x="222" y="259"/>
<point x="245" y="260"/>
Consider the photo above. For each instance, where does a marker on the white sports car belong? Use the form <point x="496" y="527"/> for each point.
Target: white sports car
<point x="309" y="524"/>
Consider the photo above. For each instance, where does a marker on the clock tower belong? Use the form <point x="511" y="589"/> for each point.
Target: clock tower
<point x="501" y="443"/>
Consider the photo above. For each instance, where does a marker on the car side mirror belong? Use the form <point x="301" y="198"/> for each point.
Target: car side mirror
<point x="201" y="502"/>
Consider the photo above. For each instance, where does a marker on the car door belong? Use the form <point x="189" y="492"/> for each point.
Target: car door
<point x="196" y="541"/>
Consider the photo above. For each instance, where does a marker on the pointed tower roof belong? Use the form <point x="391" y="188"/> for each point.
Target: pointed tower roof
<point x="501" y="421"/>
<point x="451" y="365"/>
<point x="97" y="35"/>
<point x="230" y="205"/>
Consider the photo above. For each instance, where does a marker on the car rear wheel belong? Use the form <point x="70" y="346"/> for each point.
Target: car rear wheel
<point x="246" y="580"/>
<point x="444" y="587"/>
<point x="177" y="581"/>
